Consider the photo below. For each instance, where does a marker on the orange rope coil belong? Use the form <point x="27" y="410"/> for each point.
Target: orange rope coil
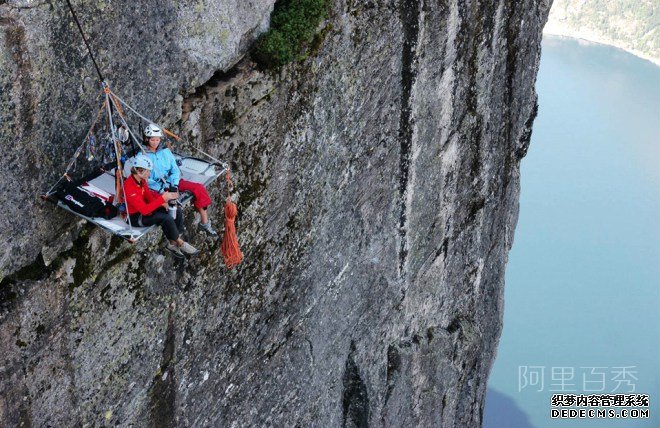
<point x="231" y="251"/>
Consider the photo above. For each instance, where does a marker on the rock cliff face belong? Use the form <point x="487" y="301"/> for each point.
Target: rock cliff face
<point x="377" y="183"/>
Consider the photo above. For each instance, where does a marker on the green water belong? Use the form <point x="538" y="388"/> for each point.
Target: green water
<point x="583" y="280"/>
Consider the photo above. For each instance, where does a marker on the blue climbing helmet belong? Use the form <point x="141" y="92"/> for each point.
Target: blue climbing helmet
<point x="142" y="161"/>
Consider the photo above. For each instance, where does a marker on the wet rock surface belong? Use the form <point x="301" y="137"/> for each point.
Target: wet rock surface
<point x="377" y="182"/>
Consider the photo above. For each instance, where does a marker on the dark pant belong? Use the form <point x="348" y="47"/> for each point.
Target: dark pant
<point x="170" y="226"/>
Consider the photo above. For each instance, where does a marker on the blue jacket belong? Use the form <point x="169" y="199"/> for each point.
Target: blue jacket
<point x="166" y="172"/>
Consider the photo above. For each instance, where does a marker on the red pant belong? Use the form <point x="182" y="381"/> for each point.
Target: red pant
<point x="201" y="196"/>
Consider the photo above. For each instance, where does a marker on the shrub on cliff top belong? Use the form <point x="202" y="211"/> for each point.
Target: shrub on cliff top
<point x="292" y="26"/>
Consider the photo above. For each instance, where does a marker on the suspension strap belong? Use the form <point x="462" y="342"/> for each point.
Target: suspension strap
<point x="116" y="103"/>
<point x="78" y="150"/>
<point x="125" y="104"/>
<point x="120" y="192"/>
<point x="167" y="132"/>
<point x="89" y="49"/>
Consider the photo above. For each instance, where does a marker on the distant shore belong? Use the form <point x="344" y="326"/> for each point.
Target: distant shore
<point x="553" y="30"/>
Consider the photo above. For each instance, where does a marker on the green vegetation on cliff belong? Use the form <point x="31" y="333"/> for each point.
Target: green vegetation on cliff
<point x="293" y="26"/>
<point x="630" y="24"/>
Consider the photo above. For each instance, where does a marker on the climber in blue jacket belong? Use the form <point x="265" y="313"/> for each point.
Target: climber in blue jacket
<point x="166" y="175"/>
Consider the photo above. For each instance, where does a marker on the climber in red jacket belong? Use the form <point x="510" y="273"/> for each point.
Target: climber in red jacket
<point x="146" y="207"/>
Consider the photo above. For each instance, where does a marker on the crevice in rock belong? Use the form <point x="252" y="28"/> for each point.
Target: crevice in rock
<point x="443" y="406"/>
<point x="16" y="44"/>
<point x="454" y="325"/>
<point x="526" y="136"/>
<point x="311" y="352"/>
<point x="24" y="410"/>
<point x="508" y="95"/>
<point x="11" y="286"/>
<point x="67" y="354"/>
<point x="218" y="78"/>
<point x="511" y="59"/>
<point x="163" y="391"/>
<point x="409" y="16"/>
<point x="468" y="384"/>
<point x="430" y="334"/>
<point x="277" y="346"/>
<point x="356" y="399"/>
<point x="472" y="26"/>
<point x="215" y="99"/>
<point x="442" y="250"/>
<point x="393" y="370"/>
<point x="472" y="99"/>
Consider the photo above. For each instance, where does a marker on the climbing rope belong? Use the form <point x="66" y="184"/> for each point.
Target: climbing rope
<point x="231" y="252"/>
<point x="89" y="49"/>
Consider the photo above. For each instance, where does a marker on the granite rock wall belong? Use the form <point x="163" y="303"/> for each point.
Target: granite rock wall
<point x="377" y="182"/>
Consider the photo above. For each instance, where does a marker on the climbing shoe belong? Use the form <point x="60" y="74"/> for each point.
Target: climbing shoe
<point x="175" y="250"/>
<point x="206" y="227"/>
<point x="188" y="249"/>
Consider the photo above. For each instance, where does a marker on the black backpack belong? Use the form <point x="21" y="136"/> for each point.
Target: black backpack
<point x="84" y="203"/>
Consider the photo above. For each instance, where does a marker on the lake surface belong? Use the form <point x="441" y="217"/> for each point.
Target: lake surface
<point x="582" y="299"/>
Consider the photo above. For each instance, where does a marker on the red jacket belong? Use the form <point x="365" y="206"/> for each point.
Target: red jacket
<point x="139" y="198"/>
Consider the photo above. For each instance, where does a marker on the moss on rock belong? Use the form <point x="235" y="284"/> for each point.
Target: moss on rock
<point x="293" y="26"/>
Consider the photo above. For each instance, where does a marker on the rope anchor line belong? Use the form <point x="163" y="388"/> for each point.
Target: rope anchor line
<point x="89" y="49"/>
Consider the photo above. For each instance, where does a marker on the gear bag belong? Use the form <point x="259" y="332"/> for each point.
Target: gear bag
<point x="85" y="203"/>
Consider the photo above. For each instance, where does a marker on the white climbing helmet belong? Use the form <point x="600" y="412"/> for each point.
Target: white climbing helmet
<point x="153" y="130"/>
<point x="142" y="161"/>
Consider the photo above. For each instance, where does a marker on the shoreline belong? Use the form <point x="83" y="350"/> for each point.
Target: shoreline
<point x="595" y="39"/>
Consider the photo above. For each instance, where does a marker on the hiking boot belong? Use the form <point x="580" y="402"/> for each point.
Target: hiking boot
<point x="175" y="250"/>
<point x="188" y="249"/>
<point x="206" y="227"/>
